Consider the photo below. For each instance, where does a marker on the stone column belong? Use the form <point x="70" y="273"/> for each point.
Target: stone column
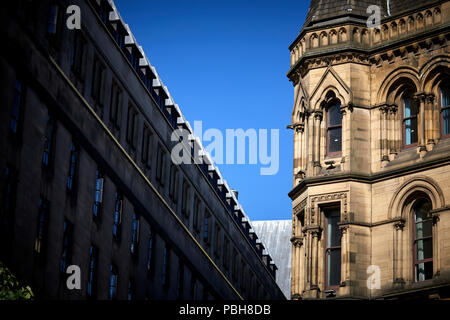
<point x="436" y="256"/>
<point x="297" y="243"/>
<point x="433" y="123"/>
<point x="398" y="253"/>
<point x="300" y="129"/>
<point x="315" y="233"/>
<point x="384" y="111"/>
<point x="420" y="99"/>
<point x="398" y="135"/>
<point x="297" y="153"/>
<point x="305" y="143"/>
<point x="318" y="115"/>
<point x="345" y="254"/>
<point x="346" y="135"/>
<point x="294" y="265"/>
<point x="308" y="260"/>
<point x="392" y="130"/>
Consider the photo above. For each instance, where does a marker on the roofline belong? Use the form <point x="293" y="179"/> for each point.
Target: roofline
<point x="350" y="15"/>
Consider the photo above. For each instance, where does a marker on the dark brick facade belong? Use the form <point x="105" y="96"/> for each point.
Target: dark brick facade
<point x="82" y="182"/>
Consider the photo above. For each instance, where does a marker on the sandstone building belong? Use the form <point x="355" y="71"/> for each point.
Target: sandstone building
<point x="371" y="123"/>
<point x="86" y="176"/>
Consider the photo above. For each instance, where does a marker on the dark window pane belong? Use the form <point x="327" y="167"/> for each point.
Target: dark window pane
<point x="410" y="107"/>
<point x="422" y="218"/>
<point x="48" y="141"/>
<point x="117" y="215"/>
<point x="428" y="228"/>
<point x="407" y="102"/>
<point x="424" y="229"/>
<point x="446" y="122"/>
<point x="41" y="233"/>
<point x="15" y="112"/>
<point x="422" y="210"/>
<point x="98" y="198"/>
<point x="424" y="271"/>
<point x="165" y="266"/>
<point x="113" y="283"/>
<point x="72" y="167"/>
<point x="410" y="131"/>
<point x="67" y="244"/>
<point x="131" y="290"/>
<point x="52" y="19"/>
<point x="334" y="267"/>
<point x="92" y="270"/>
<point x="335" y="140"/>
<point x="333" y="232"/>
<point x="445" y="96"/>
<point x="335" y="115"/>
<point x="150" y="251"/>
<point x="424" y="249"/>
<point x="134" y="234"/>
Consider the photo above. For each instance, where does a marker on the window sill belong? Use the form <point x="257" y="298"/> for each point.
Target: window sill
<point x="333" y="156"/>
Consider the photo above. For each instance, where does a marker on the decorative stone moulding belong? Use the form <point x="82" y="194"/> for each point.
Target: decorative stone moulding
<point x="362" y="36"/>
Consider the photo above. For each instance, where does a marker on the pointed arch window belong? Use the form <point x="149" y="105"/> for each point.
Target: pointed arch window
<point x="445" y="110"/>
<point x="410" y="111"/>
<point x="423" y="240"/>
<point x="334" y="128"/>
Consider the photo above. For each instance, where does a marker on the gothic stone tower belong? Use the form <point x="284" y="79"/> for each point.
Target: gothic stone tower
<point x="371" y="123"/>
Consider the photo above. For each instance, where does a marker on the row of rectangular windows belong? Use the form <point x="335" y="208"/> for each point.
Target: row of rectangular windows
<point x="40" y="246"/>
<point x="200" y="221"/>
<point x="147" y="76"/>
<point x="78" y="55"/>
<point x="422" y="236"/>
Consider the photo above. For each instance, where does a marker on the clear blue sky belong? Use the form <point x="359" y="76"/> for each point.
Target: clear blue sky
<point x="225" y="63"/>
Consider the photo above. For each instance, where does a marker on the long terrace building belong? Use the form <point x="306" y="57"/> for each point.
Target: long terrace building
<point x="87" y="177"/>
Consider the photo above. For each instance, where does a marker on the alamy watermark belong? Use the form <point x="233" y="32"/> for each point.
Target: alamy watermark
<point x="74" y="20"/>
<point x="231" y="151"/>
<point x="73" y="281"/>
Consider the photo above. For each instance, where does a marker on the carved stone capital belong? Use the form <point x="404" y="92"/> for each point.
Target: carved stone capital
<point x="315" y="232"/>
<point x="300" y="175"/>
<point x="399" y="225"/>
<point x="343" y="228"/>
<point x="393" y="109"/>
<point x="421" y="96"/>
<point x="318" y="115"/>
<point x="384" y="109"/>
<point x="347" y="108"/>
<point x="430" y="98"/>
<point x="297" y="242"/>
<point x="298" y="127"/>
<point x="436" y="218"/>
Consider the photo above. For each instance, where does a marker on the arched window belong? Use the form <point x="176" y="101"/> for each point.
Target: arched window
<point x="333" y="248"/>
<point x="410" y="111"/>
<point x="445" y="109"/>
<point x="423" y="240"/>
<point x="334" y="128"/>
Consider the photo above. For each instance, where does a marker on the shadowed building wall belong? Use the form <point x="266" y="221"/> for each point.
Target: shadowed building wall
<point x="86" y="176"/>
